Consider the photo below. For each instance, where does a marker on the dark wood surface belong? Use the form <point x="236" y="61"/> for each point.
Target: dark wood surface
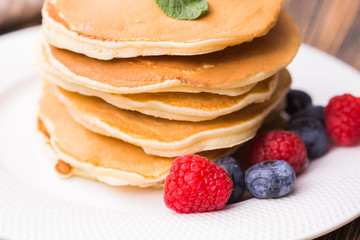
<point x="330" y="25"/>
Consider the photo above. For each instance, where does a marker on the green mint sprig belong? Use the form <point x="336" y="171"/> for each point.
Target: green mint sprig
<point x="183" y="9"/>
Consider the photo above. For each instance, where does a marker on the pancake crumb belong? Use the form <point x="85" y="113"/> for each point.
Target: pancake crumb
<point x="63" y="168"/>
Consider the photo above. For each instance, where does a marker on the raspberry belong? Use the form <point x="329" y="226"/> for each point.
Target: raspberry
<point x="342" y="115"/>
<point x="346" y="103"/>
<point x="279" y="145"/>
<point x="195" y="185"/>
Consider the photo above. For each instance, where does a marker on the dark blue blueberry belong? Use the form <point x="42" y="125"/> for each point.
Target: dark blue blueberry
<point x="236" y="174"/>
<point x="313" y="134"/>
<point x="316" y="112"/>
<point x="270" y="179"/>
<point x="297" y="100"/>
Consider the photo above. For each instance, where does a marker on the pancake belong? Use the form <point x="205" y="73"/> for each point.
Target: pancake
<point x="170" y="138"/>
<point x="61" y="75"/>
<point x="129" y="28"/>
<point x="181" y="106"/>
<point x="226" y="72"/>
<point x="78" y="151"/>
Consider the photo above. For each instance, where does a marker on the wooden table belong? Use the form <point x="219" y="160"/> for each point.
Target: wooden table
<point x="330" y="25"/>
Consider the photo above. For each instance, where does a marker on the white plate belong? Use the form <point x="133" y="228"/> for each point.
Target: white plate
<point x="36" y="204"/>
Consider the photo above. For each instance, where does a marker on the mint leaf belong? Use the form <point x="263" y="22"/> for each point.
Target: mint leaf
<point x="183" y="9"/>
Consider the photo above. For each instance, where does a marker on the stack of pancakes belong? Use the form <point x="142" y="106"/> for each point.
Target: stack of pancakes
<point x="127" y="89"/>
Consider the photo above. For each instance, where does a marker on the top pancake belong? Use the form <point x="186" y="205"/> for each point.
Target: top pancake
<point x="129" y="28"/>
<point x="222" y="72"/>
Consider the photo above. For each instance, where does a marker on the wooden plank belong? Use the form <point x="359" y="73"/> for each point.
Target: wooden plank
<point x="330" y="25"/>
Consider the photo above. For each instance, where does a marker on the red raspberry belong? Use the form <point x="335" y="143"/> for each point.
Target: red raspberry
<point x="346" y="103"/>
<point x="342" y="115"/>
<point x="279" y="145"/>
<point x="195" y="184"/>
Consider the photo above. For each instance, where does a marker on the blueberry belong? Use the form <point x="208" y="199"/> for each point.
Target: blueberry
<point x="236" y="174"/>
<point x="316" y="112"/>
<point x="270" y="179"/>
<point x="313" y="133"/>
<point x="297" y="100"/>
